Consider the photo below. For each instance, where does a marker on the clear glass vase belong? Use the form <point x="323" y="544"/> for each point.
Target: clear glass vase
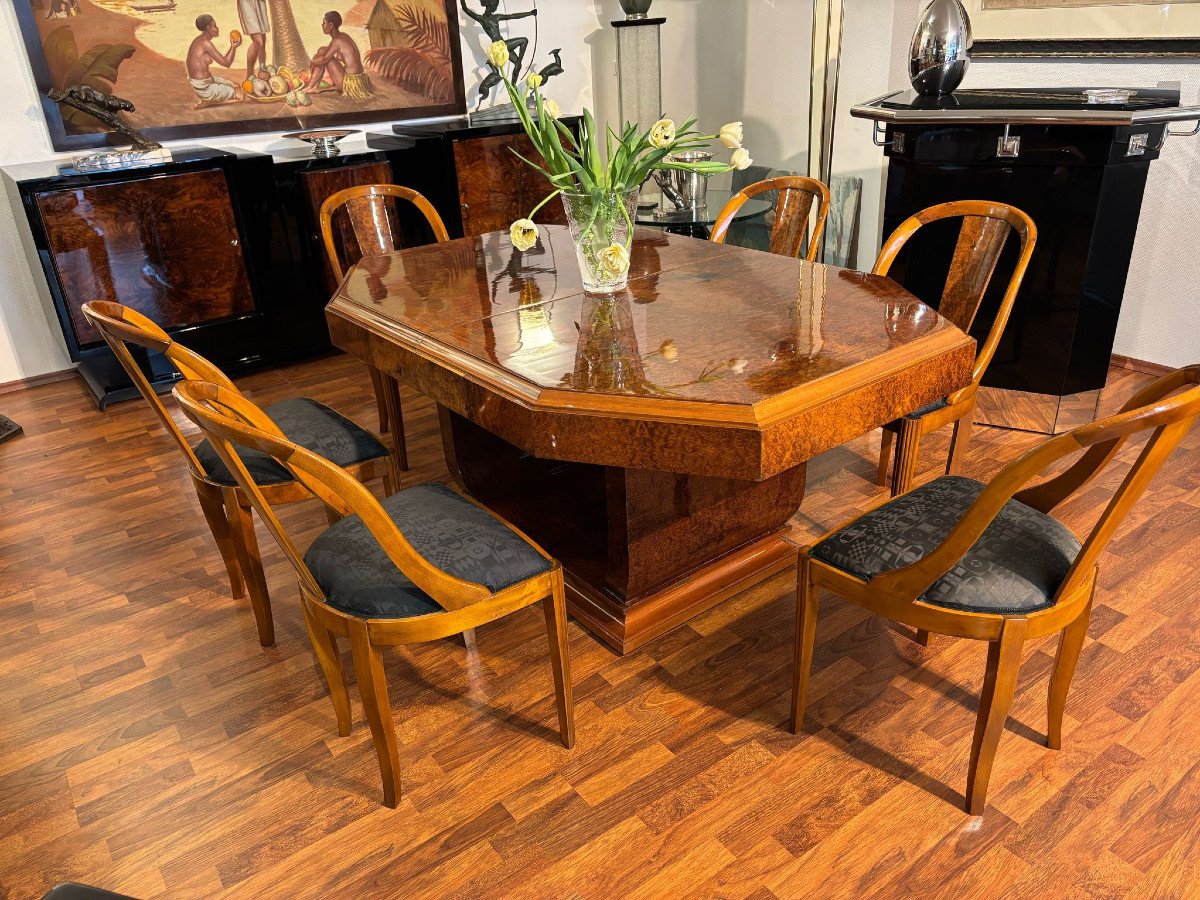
<point x="601" y="225"/>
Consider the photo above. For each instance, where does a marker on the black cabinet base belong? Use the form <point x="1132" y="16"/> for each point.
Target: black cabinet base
<point x="107" y="382"/>
<point x="1039" y="413"/>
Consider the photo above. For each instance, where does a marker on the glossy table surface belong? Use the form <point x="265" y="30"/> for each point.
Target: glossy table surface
<point x="705" y="332"/>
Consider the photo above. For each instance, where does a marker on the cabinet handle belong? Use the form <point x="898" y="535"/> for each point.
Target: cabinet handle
<point x="466" y="206"/>
<point x="233" y="243"/>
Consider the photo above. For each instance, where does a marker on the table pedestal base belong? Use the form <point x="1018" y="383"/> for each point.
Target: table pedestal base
<point x="643" y="551"/>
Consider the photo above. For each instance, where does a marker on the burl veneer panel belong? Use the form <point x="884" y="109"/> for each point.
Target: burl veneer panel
<point x="166" y="246"/>
<point x="319" y="185"/>
<point x="495" y="187"/>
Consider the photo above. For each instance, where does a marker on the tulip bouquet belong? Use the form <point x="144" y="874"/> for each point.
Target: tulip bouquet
<point x="599" y="189"/>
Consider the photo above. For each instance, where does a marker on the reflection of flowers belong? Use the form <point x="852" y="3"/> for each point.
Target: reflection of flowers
<point x="668" y="351"/>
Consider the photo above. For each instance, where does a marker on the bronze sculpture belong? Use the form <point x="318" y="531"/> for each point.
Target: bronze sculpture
<point x="106" y="108"/>
<point x="489" y="20"/>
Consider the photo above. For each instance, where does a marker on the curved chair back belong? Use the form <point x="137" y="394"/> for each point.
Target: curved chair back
<point x="120" y="326"/>
<point x="372" y="217"/>
<point x="227" y="418"/>
<point x="1169" y="406"/>
<point x="981" y="239"/>
<point x="794" y="200"/>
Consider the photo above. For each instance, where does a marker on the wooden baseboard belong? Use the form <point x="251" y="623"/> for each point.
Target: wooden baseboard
<point x="35" y="380"/>
<point x="1139" y="365"/>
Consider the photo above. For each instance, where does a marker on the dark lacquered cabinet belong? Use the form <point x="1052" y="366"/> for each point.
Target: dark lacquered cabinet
<point x="1079" y="170"/>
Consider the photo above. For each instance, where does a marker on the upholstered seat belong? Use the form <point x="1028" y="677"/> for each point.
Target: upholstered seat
<point x="927" y="409"/>
<point x="1017" y="565"/>
<point x="451" y="532"/>
<point x="308" y="423"/>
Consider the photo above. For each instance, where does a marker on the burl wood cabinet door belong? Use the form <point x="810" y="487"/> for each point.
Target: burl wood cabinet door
<point x="321" y="184"/>
<point x="495" y="187"/>
<point x="166" y="246"/>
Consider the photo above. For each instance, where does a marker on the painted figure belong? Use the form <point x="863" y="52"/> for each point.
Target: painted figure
<point x="255" y="26"/>
<point x="489" y="20"/>
<point x="338" y="65"/>
<point x="63" y="9"/>
<point x="210" y="89"/>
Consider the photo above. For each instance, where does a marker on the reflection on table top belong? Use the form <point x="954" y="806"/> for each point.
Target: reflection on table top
<point x="699" y="321"/>
<point x="704" y="215"/>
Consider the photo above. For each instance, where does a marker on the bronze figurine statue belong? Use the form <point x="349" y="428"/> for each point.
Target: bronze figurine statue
<point x="106" y="108"/>
<point x="489" y="20"/>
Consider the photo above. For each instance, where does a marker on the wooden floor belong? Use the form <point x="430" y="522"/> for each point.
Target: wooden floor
<point x="149" y="745"/>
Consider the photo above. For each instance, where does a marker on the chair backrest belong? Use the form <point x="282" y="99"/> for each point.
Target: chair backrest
<point x="794" y="200"/>
<point x="373" y="221"/>
<point x="120" y="326"/>
<point x="985" y="230"/>
<point x="227" y="417"/>
<point x="1169" y="405"/>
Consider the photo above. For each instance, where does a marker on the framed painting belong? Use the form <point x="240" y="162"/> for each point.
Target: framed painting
<point x="1110" y="28"/>
<point x="206" y="67"/>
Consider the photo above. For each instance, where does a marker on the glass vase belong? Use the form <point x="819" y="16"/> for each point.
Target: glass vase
<point x="600" y="223"/>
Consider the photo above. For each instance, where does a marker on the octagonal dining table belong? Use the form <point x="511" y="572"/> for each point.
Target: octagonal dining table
<point x="654" y="440"/>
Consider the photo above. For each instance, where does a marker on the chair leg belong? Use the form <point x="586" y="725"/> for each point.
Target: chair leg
<point x="1003" y="664"/>
<point x="555" y="608"/>
<point x="806" y="633"/>
<point x="392" y="480"/>
<point x="372" y="687"/>
<point x="250" y="561"/>
<point x="959" y="441"/>
<point x="904" y="469"/>
<point x="922" y="637"/>
<point x="390" y="389"/>
<point x="332" y="516"/>
<point x="468" y="638"/>
<point x="1069" y="647"/>
<point x="885" y="455"/>
<point x="325" y="648"/>
<point x="218" y="523"/>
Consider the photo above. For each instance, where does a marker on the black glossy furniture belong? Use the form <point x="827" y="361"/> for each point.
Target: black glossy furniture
<point x="1079" y="169"/>
<point x="695" y="222"/>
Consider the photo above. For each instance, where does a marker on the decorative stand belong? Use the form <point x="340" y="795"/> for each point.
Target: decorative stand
<point x="1077" y="163"/>
<point x="639" y="69"/>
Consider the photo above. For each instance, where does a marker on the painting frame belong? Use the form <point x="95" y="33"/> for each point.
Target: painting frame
<point x="1131" y="29"/>
<point x="64" y="139"/>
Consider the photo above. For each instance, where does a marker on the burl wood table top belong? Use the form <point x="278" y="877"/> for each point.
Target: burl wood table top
<point x="800" y="356"/>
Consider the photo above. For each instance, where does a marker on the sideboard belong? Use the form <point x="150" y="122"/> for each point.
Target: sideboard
<point x="223" y="247"/>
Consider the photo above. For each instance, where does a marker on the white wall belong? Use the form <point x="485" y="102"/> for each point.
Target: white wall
<point x="723" y="61"/>
<point x="31" y="343"/>
<point x="1161" y="309"/>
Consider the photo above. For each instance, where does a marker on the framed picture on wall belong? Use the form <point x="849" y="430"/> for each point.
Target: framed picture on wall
<point x="1109" y="28"/>
<point x="204" y="67"/>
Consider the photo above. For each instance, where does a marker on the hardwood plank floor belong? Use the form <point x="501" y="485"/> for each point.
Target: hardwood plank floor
<point x="149" y="745"/>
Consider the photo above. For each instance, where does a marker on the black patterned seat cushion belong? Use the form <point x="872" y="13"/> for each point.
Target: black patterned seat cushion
<point x="312" y="425"/>
<point x="927" y="409"/>
<point x="1016" y="566"/>
<point x="448" y="530"/>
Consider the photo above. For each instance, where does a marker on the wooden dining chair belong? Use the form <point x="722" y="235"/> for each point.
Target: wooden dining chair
<point x="989" y="562"/>
<point x="373" y="228"/>
<point x="985" y="230"/>
<point x="227" y="508"/>
<point x="425" y="564"/>
<point x="794" y="198"/>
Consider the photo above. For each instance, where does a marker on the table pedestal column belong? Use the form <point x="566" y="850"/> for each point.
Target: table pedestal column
<point x="643" y="551"/>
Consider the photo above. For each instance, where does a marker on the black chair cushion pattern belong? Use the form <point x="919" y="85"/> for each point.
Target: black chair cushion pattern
<point x="1016" y="566"/>
<point x="312" y="425"/>
<point x="448" y="530"/>
<point x="927" y="409"/>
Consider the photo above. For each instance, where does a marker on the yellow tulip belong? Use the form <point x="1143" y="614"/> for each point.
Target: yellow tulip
<point x="662" y="135"/>
<point x="524" y="234"/>
<point x="550" y="105"/>
<point x="741" y="159"/>
<point x="731" y="135"/>
<point x="534" y="81"/>
<point x="614" y="260"/>
<point x="497" y="54"/>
